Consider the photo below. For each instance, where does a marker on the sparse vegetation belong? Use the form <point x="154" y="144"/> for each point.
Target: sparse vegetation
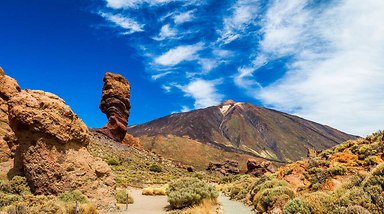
<point x="348" y="178"/>
<point x="121" y="196"/>
<point x="73" y="196"/>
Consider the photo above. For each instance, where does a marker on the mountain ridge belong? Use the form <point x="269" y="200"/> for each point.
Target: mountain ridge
<point x="246" y="128"/>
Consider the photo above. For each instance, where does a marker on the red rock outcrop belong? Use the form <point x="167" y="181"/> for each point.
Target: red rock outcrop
<point x="228" y="167"/>
<point x="258" y="168"/>
<point x="8" y="88"/>
<point x="52" y="149"/>
<point x="116" y="105"/>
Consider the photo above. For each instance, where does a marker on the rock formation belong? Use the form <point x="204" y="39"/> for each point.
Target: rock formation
<point x="52" y="149"/>
<point x="228" y="167"/>
<point x="258" y="168"/>
<point x="116" y="105"/>
<point x="8" y="88"/>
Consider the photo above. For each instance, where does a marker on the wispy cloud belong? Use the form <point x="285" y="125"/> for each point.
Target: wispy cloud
<point x="179" y="54"/>
<point x="243" y="13"/>
<point x="335" y="77"/>
<point x="183" y="17"/>
<point x="203" y="92"/>
<point x="157" y="76"/>
<point x="166" y="32"/>
<point x="129" y="25"/>
<point x="121" y="4"/>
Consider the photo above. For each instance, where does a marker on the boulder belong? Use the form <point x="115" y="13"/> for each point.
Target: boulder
<point x="8" y="88"/>
<point x="258" y="168"/>
<point x="115" y="104"/>
<point x="228" y="167"/>
<point x="52" y="149"/>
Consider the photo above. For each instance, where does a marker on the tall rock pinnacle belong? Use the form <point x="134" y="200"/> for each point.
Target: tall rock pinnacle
<point x="116" y="105"/>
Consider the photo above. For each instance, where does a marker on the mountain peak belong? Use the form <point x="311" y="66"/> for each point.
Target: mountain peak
<point x="228" y="102"/>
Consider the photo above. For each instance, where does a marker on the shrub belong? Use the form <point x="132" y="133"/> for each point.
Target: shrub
<point x="155" y="168"/>
<point x="84" y="209"/>
<point x="159" y="191"/>
<point x="17" y="185"/>
<point x="371" y="160"/>
<point x="187" y="192"/>
<point x="318" y="202"/>
<point x="7" y="199"/>
<point x="379" y="170"/>
<point x="296" y="206"/>
<point x="113" y="162"/>
<point x="354" y="196"/>
<point x="121" y="196"/>
<point x="355" y="210"/>
<point x="266" y="198"/>
<point x="73" y="196"/>
<point x="154" y="191"/>
<point x="336" y="171"/>
<point x="198" y="175"/>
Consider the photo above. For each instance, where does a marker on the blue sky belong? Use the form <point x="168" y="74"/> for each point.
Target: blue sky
<point x="319" y="59"/>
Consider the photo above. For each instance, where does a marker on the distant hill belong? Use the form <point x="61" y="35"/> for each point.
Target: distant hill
<point x="238" y="128"/>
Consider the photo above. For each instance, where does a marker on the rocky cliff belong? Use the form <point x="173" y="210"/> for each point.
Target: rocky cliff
<point x="115" y="104"/>
<point x="8" y="88"/>
<point x="52" y="152"/>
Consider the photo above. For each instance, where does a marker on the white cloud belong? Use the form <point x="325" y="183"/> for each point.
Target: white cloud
<point x="166" y="88"/>
<point x="157" y="76"/>
<point x="184" y="17"/>
<point x="185" y="109"/>
<point x="123" y="4"/>
<point x="337" y="72"/>
<point x="124" y="22"/>
<point x="244" y="13"/>
<point x="208" y="64"/>
<point x="179" y="54"/>
<point x="203" y="92"/>
<point x="166" y="32"/>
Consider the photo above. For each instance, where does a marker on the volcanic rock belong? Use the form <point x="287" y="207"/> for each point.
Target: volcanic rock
<point x="116" y="105"/>
<point x="52" y="149"/>
<point x="228" y="167"/>
<point x="258" y="168"/>
<point x="8" y="88"/>
<point x="242" y="129"/>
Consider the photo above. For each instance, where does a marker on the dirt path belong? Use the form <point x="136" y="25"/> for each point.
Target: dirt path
<point x="231" y="206"/>
<point x="145" y="204"/>
<point x="156" y="205"/>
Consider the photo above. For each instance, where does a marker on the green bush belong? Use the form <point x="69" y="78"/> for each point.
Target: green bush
<point x="296" y="206"/>
<point x="113" y="162"/>
<point x="187" y="192"/>
<point x="155" y="168"/>
<point x="17" y="185"/>
<point x="336" y="171"/>
<point x="318" y="202"/>
<point x="266" y="198"/>
<point x="355" y="210"/>
<point x="369" y="161"/>
<point x="7" y="199"/>
<point x="379" y="170"/>
<point x="73" y="196"/>
<point x="121" y="196"/>
<point x="354" y="196"/>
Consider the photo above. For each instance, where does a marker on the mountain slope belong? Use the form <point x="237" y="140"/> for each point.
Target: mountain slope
<point x="246" y="128"/>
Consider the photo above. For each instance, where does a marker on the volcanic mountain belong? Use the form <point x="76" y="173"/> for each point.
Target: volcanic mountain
<point x="236" y="128"/>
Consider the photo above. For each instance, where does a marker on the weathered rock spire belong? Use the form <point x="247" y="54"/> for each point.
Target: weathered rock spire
<point x="115" y="104"/>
